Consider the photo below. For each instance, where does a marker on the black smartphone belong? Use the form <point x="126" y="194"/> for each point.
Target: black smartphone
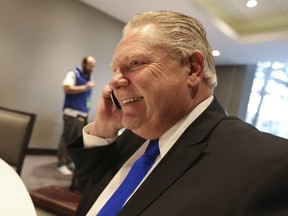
<point x="115" y="101"/>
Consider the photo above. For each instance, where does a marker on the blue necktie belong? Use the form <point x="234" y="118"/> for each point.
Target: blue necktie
<point x="132" y="180"/>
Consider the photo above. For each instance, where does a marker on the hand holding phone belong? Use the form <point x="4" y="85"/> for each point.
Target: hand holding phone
<point x="115" y="101"/>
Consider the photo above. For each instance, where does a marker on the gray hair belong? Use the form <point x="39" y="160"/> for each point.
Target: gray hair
<point x="179" y="35"/>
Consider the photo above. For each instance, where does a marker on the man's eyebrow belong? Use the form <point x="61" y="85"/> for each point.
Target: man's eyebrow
<point x="131" y="55"/>
<point x="134" y="54"/>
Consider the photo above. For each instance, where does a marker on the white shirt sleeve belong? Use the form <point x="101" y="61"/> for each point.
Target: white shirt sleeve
<point x="94" y="141"/>
<point x="70" y="79"/>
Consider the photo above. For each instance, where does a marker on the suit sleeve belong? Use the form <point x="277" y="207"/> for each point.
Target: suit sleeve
<point x="270" y="195"/>
<point x="89" y="160"/>
<point x="97" y="161"/>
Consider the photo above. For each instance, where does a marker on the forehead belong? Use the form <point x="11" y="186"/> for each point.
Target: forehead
<point x="90" y="61"/>
<point x="136" y="41"/>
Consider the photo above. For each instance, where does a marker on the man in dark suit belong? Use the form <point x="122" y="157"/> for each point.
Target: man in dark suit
<point x="207" y="162"/>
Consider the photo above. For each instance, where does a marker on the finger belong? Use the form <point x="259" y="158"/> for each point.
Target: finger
<point x="106" y="92"/>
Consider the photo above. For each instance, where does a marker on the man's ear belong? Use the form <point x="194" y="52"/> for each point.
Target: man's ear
<point x="196" y="69"/>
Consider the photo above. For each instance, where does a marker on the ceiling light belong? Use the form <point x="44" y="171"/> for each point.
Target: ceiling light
<point x="251" y="3"/>
<point x="216" y="53"/>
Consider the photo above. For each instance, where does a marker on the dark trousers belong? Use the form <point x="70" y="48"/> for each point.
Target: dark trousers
<point x="72" y="129"/>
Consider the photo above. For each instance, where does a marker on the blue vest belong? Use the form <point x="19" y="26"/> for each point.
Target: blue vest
<point x="80" y="101"/>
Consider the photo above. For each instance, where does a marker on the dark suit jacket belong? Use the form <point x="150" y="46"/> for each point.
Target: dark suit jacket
<point x="219" y="166"/>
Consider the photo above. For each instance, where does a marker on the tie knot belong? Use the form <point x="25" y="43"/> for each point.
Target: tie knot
<point x="152" y="149"/>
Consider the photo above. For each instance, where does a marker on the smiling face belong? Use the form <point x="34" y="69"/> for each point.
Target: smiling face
<point x="154" y="90"/>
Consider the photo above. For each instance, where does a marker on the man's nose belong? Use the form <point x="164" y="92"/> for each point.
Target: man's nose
<point x="118" y="80"/>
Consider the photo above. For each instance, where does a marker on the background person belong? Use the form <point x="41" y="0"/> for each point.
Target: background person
<point x="78" y="89"/>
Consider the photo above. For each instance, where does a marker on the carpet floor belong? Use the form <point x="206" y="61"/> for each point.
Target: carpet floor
<point x="41" y="171"/>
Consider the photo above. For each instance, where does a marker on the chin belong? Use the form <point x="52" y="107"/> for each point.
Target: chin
<point x="137" y="129"/>
<point x="132" y="121"/>
<point x="144" y="131"/>
<point x="131" y="125"/>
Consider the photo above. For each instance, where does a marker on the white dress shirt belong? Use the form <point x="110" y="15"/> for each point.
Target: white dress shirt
<point x="166" y="141"/>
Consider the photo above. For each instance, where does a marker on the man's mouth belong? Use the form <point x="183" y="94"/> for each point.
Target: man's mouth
<point x="131" y="100"/>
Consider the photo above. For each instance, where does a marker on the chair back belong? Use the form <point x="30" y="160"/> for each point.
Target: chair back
<point x="15" y="131"/>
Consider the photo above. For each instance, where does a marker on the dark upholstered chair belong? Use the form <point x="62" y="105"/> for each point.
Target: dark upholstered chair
<point x="15" y="132"/>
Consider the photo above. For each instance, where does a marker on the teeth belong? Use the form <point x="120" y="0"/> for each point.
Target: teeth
<point x="130" y="100"/>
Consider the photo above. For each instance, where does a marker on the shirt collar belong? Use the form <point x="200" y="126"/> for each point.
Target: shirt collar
<point x="169" y="138"/>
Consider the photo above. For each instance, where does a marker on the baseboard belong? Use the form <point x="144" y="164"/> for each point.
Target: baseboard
<point x="40" y="151"/>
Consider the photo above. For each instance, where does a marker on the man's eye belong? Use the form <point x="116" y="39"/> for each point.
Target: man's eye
<point x="136" y="63"/>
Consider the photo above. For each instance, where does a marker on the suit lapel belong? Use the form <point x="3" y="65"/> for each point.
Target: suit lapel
<point x="129" y="144"/>
<point x="185" y="152"/>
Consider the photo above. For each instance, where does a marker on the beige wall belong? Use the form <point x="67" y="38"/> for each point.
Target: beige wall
<point x="234" y="86"/>
<point x="39" y="42"/>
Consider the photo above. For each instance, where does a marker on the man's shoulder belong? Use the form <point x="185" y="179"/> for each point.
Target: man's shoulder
<point x="70" y="74"/>
<point x="240" y="136"/>
<point x="238" y="127"/>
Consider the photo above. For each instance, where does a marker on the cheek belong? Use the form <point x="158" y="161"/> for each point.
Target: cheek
<point x="158" y="73"/>
<point x="146" y="81"/>
<point x="152" y="81"/>
<point x="158" y="85"/>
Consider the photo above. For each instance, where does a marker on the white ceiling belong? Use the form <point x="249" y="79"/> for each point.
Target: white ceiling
<point x="235" y="49"/>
